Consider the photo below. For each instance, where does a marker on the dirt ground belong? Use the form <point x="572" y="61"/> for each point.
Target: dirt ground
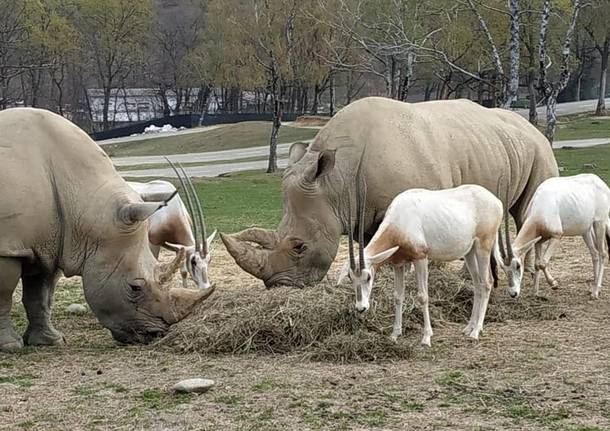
<point x="522" y="374"/>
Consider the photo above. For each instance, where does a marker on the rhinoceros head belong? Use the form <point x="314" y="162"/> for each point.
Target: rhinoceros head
<point x="124" y="284"/>
<point x="306" y="242"/>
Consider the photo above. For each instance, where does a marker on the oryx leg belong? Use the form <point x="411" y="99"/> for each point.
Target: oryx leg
<point x="10" y="272"/>
<point x="399" y="297"/>
<point x="484" y="282"/>
<point x="545" y="259"/>
<point x="473" y="269"/>
<point x="589" y="238"/>
<point x="38" y="300"/>
<point x="538" y="266"/>
<point x="599" y="230"/>
<point x="421" y="273"/>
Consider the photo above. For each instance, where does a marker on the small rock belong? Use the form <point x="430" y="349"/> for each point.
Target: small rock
<point x="561" y="169"/>
<point x="78" y="309"/>
<point x="197" y="386"/>
<point x="589" y="166"/>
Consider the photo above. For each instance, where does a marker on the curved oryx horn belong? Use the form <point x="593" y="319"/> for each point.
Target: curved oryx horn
<point x="509" y="248"/>
<point x="500" y="240"/>
<point x="360" y="208"/>
<point x="203" y="238"/>
<point x="350" y="233"/>
<point x="189" y="203"/>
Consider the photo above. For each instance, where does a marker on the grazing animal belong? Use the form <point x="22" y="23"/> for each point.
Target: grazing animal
<point x="66" y="209"/>
<point x="431" y="145"/>
<point x="172" y="228"/>
<point x="422" y="225"/>
<point x="564" y="206"/>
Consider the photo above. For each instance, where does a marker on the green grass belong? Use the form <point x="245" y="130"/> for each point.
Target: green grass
<point x="241" y="135"/>
<point x="582" y="127"/>
<point x="573" y="161"/>
<point x="240" y="201"/>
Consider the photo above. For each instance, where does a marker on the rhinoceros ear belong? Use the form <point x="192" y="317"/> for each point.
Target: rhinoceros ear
<point x="324" y="164"/>
<point x="139" y="211"/>
<point x="296" y="152"/>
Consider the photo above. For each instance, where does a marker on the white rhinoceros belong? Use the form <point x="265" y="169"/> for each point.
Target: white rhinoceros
<point x="65" y="209"/>
<point x="431" y="145"/>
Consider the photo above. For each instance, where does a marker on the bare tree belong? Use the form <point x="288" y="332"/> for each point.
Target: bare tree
<point x="598" y="28"/>
<point x="550" y="89"/>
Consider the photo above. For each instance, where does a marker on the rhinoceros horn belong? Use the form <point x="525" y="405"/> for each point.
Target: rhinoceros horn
<point x="250" y="258"/>
<point x="182" y="301"/>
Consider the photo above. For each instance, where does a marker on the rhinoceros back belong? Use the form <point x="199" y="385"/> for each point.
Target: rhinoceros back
<point x="436" y="145"/>
<point x="43" y="158"/>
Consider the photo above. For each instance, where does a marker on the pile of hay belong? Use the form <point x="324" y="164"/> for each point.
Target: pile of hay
<point x="321" y="322"/>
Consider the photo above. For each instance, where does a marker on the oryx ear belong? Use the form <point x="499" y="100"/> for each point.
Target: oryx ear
<point x="324" y="164"/>
<point x="383" y="256"/>
<point x="343" y="273"/>
<point x="296" y="152"/>
<point x="526" y="247"/>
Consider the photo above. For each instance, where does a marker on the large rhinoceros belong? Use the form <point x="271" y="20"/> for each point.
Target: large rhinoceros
<point x="431" y="145"/>
<point x="65" y="208"/>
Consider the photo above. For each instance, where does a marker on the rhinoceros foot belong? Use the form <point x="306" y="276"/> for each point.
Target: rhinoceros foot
<point x="10" y="341"/>
<point x="43" y="337"/>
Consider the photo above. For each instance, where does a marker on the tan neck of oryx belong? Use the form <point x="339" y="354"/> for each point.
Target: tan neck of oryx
<point x="384" y="239"/>
<point x="528" y="232"/>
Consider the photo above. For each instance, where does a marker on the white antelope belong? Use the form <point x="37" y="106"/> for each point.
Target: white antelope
<point x="561" y="206"/>
<point x="419" y="225"/>
<point x="172" y="227"/>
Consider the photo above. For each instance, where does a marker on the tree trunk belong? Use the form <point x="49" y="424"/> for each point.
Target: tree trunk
<point x="513" y="76"/>
<point x="601" y="101"/>
<point x="551" y="116"/>
<point x="277" y="122"/>
<point x="531" y="89"/>
<point x="105" y="108"/>
<point x="408" y="71"/>
<point x="316" y="99"/>
<point x="331" y="90"/>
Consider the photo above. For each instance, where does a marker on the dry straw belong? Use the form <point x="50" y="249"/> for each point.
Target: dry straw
<point x="320" y="322"/>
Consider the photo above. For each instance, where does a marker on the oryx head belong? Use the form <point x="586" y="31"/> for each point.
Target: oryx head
<point x="198" y="256"/>
<point x="511" y="260"/>
<point x="362" y="273"/>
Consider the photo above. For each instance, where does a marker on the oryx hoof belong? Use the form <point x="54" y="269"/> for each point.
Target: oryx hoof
<point x="468" y="329"/>
<point x="554" y="285"/>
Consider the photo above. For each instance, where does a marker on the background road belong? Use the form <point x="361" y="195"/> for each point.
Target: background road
<point x="567" y="108"/>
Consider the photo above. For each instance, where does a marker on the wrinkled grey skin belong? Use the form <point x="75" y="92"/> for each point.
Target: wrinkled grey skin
<point x="65" y="209"/>
<point x="431" y="145"/>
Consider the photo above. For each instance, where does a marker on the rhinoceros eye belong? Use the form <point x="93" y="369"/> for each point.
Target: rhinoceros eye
<point x="137" y="285"/>
<point x="299" y="247"/>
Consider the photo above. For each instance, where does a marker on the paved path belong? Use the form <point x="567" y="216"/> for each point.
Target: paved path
<point x="567" y="108"/>
<point x="141" y="137"/>
<point x="581" y="143"/>
<point x="211" y="156"/>
<point x="204" y="171"/>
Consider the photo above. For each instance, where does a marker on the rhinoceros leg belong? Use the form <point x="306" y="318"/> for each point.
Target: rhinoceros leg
<point x="38" y="300"/>
<point x="10" y="271"/>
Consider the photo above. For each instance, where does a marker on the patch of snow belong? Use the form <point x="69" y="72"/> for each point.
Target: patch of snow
<point x="164" y="129"/>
